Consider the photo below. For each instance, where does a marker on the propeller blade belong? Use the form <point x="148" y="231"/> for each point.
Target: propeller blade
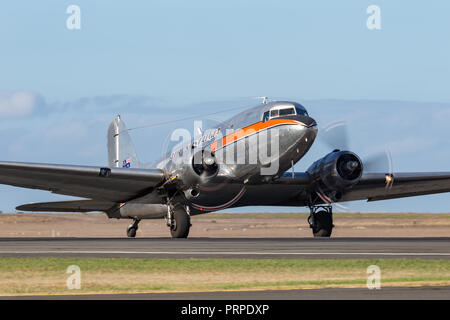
<point x="341" y="207"/>
<point x="379" y="163"/>
<point x="335" y="135"/>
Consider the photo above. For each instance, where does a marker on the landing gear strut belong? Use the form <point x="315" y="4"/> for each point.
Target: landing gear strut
<point x="132" y="228"/>
<point x="321" y="220"/>
<point x="179" y="221"/>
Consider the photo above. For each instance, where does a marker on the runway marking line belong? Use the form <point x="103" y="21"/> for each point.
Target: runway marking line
<point x="308" y="287"/>
<point x="231" y="253"/>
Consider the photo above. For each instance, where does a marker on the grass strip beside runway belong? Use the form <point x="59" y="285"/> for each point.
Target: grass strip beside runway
<point x="48" y="275"/>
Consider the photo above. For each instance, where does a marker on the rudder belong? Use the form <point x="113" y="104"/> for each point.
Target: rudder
<point x="121" y="152"/>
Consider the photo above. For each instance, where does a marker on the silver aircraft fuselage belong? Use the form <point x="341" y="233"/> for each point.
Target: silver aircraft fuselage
<point x="257" y="145"/>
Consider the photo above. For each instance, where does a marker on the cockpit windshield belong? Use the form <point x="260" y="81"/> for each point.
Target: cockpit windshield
<point x="287" y="111"/>
<point x="277" y="112"/>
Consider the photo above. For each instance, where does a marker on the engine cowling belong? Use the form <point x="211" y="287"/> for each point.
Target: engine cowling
<point x="199" y="168"/>
<point x="336" y="172"/>
<point x="205" y="164"/>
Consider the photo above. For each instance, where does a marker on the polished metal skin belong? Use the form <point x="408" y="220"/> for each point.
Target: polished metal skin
<point x="294" y="135"/>
<point x="219" y="170"/>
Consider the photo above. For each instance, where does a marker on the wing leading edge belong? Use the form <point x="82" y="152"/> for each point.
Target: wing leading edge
<point x="375" y="186"/>
<point x="97" y="183"/>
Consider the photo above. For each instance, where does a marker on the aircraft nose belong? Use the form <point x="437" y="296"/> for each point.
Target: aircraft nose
<point x="311" y="127"/>
<point x="307" y="121"/>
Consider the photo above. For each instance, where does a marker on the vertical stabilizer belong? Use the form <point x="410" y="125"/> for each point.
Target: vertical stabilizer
<point x="121" y="152"/>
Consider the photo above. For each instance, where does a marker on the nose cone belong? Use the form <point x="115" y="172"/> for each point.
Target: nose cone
<point x="297" y="140"/>
<point x="310" y="133"/>
<point x="311" y="126"/>
<point x="307" y="121"/>
<point x="307" y="128"/>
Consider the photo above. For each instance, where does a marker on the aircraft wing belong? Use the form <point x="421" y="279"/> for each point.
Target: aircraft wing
<point x="104" y="184"/>
<point x="373" y="186"/>
<point x="69" y="206"/>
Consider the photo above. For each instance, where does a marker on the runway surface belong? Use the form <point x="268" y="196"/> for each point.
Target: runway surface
<point x="252" y="248"/>
<point x="389" y="293"/>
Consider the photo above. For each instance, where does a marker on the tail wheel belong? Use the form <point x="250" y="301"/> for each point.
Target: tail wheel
<point x="131" y="232"/>
<point x="132" y="228"/>
<point x="322" y="224"/>
<point x="181" y="224"/>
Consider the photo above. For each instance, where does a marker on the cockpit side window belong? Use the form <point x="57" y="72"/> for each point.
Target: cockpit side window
<point x="301" y="112"/>
<point x="274" y="113"/>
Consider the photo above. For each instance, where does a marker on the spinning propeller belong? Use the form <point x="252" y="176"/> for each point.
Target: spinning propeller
<point x="335" y="136"/>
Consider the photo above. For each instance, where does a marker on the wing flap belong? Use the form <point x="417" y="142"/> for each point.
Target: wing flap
<point x="68" y="206"/>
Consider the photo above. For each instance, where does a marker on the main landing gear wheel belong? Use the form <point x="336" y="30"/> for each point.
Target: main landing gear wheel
<point x="180" y="224"/>
<point x="132" y="229"/>
<point x="321" y="222"/>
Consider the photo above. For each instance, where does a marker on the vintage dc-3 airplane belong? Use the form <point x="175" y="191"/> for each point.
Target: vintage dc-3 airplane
<point x="196" y="176"/>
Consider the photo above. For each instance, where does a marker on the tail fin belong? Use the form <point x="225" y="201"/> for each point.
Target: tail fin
<point x="121" y="151"/>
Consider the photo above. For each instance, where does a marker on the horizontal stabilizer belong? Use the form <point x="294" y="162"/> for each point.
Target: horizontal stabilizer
<point x="68" y="206"/>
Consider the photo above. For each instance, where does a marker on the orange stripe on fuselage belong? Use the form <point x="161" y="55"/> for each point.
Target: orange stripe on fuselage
<point x="214" y="146"/>
<point x="251" y="129"/>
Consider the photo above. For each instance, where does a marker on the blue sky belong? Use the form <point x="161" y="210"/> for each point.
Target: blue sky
<point x="157" y="60"/>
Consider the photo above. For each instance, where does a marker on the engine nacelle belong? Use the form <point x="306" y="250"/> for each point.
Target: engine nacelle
<point x="336" y="172"/>
<point x="198" y="169"/>
<point x="205" y="164"/>
<point x="142" y="210"/>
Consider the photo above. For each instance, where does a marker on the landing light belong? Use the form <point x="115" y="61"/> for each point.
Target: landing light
<point x="389" y="180"/>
